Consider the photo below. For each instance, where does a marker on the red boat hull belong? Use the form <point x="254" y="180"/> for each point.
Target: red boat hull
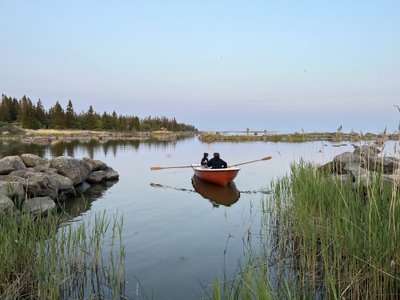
<point x="216" y="176"/>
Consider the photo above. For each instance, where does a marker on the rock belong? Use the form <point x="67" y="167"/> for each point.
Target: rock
<point x="44" y="168"/>
<point x="12" y="178"/>
<point x="49" y="184"/>
<point x="83" y="187"/>
<point x="13" y="190"/>
<point x="342" y="178"/>
<point x="11" y="163"/>
<point x="39" y="205"/>
<point x="386" y="165"/>
<point x="94" y="164"/>
<point x="20" y="173"/>
<point x="365" y="180"/>
<point x="328" y="168"/>
<point x="111" y="174"/>
<point x="346" y="159"/>
<point x="97" y="176"/>
<point x="63" y="195"/>
<point x="355" y="170"/>
<point x="32" y="160"/>
<point x="72" y="168"/>
<point x="5" y="203"/>
<point x="394" y="178"/>
<point x="366" y="150"/>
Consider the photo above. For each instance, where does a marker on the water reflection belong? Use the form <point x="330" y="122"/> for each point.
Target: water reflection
<point x="218" y="195"/>
<point x="8" y="148"/>
<point x="73" y="147"/>
<point x="83" y="202"/>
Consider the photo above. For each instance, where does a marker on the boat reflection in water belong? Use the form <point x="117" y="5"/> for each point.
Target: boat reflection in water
<point x="217" y="194"/>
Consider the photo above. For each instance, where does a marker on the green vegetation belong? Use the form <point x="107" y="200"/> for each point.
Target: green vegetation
<point x="40" y="260"/>
<point x="296" y="137"/>
<point x="329" y="239"/>
<point x="32" y="116"/>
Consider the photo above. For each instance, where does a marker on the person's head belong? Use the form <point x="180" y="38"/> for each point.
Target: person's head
<point x="205" y="154"/>
<point x="216" y="155"/>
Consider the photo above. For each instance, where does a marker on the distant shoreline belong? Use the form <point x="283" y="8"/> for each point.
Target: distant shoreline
<point x="229" y="136"/>
<point x="45" y="136"/>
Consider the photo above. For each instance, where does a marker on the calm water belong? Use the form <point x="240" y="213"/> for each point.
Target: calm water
<point x="178" y="242"/>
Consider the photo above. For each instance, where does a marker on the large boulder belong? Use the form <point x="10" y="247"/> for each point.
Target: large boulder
<point x="97" y="176"/>
<point x="94" y="164"/>
<point x="385" y="165"/>
<point x="49" y="184"/>
<point x="343" y="162"/>
<point x="39" y="205"/>
<point x="32" y="160"/>
<point x="72" y="168"/>
<point x="111" y="174"/>
<point x="11" y="163"/>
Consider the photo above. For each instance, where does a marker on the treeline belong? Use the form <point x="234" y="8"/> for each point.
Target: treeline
<point x="34" y="116"/>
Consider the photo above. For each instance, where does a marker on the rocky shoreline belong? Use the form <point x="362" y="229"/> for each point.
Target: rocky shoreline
<point x="34" y="184"/>
<point x="363" y="165"/>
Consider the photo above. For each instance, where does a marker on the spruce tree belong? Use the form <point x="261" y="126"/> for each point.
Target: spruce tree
<point x="27" y="114"/>
<point x="57" y="116"/>
<point x="41" y="115"/>
<point x="70" y="116"/>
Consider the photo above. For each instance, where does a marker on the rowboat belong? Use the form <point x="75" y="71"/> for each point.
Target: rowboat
<point x="216" y="176"/>
<point x="217" y="194"/>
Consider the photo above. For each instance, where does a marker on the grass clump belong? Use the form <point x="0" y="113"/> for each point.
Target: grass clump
<point x="41" y="260"/>
<point x="329" y="239"/>
<point x="343" y="235"/>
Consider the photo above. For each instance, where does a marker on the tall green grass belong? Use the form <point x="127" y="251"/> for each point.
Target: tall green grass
<point x="41" y="260"/>
<point x="330" y="240"/>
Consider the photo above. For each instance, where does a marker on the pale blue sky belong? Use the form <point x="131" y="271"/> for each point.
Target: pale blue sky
<point x="275" y="65"/>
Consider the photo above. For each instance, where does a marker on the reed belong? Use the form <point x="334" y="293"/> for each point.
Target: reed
<point x="328" y="239"/>
<point x="41" y="260"/>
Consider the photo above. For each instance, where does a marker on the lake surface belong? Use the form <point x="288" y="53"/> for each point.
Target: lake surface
<point x="178" y="242"/>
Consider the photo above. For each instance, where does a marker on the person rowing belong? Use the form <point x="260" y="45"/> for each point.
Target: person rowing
<point x="216" y="162"/>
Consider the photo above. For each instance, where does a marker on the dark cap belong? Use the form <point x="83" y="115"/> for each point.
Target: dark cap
<point x="205" y="154"/>
<point x="216" y="154"/>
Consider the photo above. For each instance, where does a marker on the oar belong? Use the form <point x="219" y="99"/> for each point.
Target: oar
<point x="251" y="161"/>
<point x="162" y="168"/>
<point x="179" y="167"/>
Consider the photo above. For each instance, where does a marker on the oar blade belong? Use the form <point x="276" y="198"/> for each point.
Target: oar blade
<point x="266" y="158"/>
<point x="156" y="168"/>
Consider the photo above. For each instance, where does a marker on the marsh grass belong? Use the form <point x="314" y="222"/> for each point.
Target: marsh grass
<point x="41" y="260"/>
<point x="329" y="240"/>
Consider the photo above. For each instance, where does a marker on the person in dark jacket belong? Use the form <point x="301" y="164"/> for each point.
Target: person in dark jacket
<point x="204" y="160"/>
<point x="216" y="162"/>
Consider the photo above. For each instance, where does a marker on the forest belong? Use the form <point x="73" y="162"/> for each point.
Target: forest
<point x="35" y="116"/>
